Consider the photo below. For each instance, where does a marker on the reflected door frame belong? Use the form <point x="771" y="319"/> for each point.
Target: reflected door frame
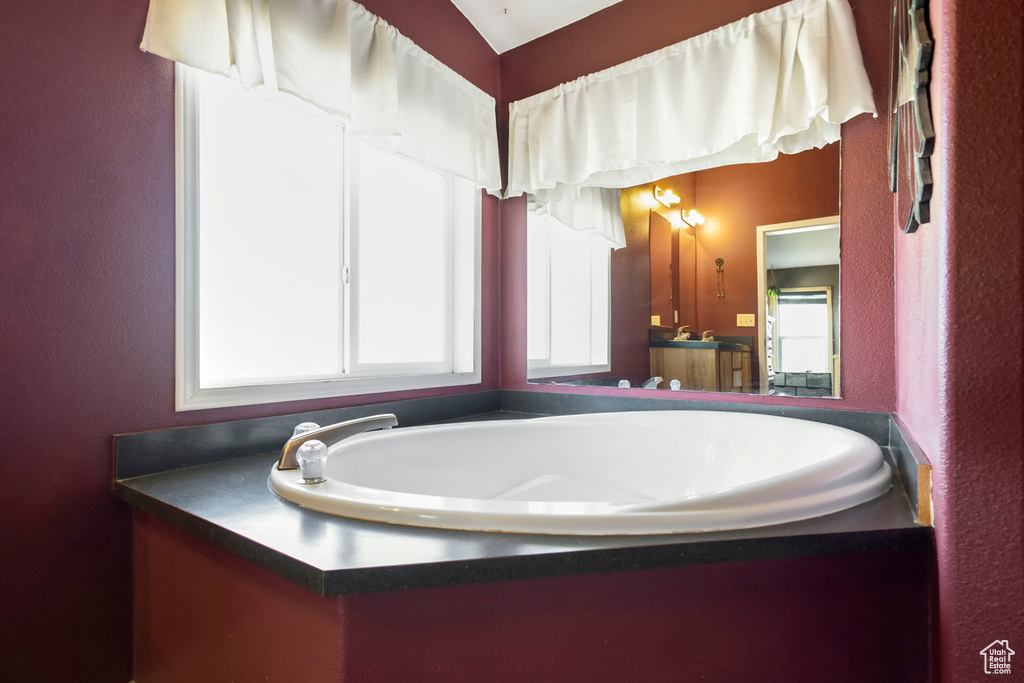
<point x="762" y="283"/>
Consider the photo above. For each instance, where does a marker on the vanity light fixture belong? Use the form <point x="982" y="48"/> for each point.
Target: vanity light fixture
<point x="666" y="197"/>
<point x="691" y="217"/>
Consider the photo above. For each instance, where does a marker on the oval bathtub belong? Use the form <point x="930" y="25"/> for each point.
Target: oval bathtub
<point x="605" y="473"/>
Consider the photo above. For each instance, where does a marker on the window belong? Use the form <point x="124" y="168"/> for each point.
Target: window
<point x="312" y="263"/>
<point x="804" y="328"/>
<point x="567" y="299"/>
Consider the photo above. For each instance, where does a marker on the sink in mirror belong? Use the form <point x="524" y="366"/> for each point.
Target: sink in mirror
<point x="726" y="280"/>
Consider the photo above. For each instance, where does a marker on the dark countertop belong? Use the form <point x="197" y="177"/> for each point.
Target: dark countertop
<point x="723" y="346"/>
<point x="229" y="504"/>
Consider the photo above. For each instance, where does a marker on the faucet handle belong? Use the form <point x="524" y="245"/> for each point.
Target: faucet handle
<point x="312" y="456"/>
<point x="304" y="427"/>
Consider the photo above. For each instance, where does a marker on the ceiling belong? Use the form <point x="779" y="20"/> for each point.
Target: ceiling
<point x="803" y="247"/>
<point x="506" y="24"/>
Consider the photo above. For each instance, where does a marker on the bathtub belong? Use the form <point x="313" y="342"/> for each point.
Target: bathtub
<point x="605" y="473"/>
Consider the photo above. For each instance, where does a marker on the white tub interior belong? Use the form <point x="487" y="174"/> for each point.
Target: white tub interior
<point x="635" y="472"/>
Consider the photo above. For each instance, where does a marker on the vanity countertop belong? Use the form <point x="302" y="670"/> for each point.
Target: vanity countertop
<point x="229" y="504"/>
<point x="697" y="344"/>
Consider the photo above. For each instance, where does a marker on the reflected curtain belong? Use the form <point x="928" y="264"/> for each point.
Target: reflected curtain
<point x="595" y="211"/>
<point x="780" y="81"/>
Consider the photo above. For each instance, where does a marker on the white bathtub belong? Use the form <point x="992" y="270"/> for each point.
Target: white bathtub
<point x="606" y="473"/>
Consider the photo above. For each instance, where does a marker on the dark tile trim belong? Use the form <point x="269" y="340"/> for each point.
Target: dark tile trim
<point x="914" y="469"/>
<point x="842" y="533"/>
<point x="143" y="453"/>
<point x="873" y="425"/>
<point x="575" y="563"/>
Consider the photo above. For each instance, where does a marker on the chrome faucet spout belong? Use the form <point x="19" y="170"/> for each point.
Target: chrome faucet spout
<point x="332" y="434"/>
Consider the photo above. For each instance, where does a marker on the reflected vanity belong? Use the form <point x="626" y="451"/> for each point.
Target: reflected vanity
<point x="728" y="281"/>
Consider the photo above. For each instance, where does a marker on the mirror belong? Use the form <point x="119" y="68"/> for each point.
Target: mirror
<point x="728" y="282"/>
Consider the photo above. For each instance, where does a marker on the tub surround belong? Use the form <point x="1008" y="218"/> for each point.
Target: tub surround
<point x="204" y="615"/>
<point x="212" y="482"/>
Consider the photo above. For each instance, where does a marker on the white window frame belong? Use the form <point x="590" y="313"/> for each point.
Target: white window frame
<point x="188" y="394"/>
<point x="538" y="368"/>
<point x="351" y="292"/>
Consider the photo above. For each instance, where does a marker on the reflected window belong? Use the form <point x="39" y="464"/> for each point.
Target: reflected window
<point x="567" y="299"/>
<point x="804" y="329"/>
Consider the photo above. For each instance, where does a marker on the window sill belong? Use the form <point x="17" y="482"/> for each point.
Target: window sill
<point x="224" y="397"/>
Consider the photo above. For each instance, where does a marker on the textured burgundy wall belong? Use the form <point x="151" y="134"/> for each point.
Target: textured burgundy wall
<point x="87" y="311"/>
<point x="958" y="281"/>
<point x="634" y="27"/>
<point x="206" y="616"/>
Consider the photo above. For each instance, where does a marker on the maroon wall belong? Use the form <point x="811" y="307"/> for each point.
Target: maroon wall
<point x="734" y="200"/>
<point x="87" y="310"/>
<point x="634" y="27"/>
<point x="958" y="280"/>
<point x="206" y="616"/>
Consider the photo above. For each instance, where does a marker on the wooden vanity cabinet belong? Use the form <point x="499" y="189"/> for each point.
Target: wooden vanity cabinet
<point x="703" y="369"/>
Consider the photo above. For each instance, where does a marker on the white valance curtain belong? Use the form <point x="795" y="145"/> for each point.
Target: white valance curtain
<point x="782" y="81"/>
<point x="337" y="55"/>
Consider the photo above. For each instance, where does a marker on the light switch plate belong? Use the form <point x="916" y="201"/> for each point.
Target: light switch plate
<point x="656" y="320"/>
<point x="745" y="320"/>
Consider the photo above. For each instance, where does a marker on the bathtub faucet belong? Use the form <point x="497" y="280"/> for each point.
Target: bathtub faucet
<point x="652" y="383"/>
<point x="330" y="435"/>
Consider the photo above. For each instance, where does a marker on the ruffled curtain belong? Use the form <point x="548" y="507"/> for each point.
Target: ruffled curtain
<point x="340" y="57"/>
<point x="781" y="81"/>
<point x="596" y="211"/>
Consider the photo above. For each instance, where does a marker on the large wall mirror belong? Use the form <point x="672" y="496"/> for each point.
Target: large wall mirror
<point x="728" y="282"/>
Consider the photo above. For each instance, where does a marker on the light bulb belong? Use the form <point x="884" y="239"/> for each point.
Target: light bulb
<point x="666" y="197"/>
<point x="693" y="217"/>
